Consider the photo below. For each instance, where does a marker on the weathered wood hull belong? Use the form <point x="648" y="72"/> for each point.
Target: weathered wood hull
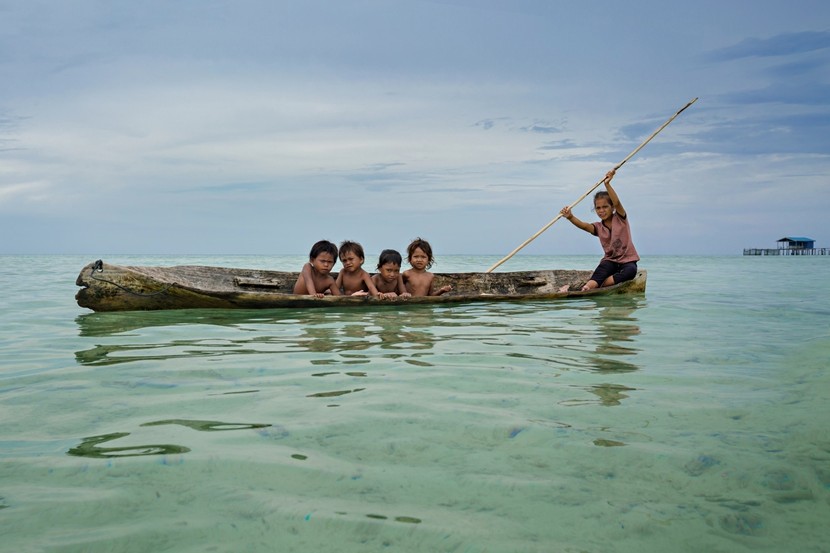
<point x="106" y="287"/>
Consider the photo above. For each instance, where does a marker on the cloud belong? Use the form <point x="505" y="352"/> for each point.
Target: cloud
<point x="785" y="44"/>
<point x="488" y="124"/>
<point x="9" y="125"/>
<point x="265" y="124"/>
<point x="9" y="122"/>
<point x="816" y="94"/>
<point x="25" y="192"/>
<point x="231" y="187"/>
<point x="542" y="127"/>
<point x="761" y="134"/>
<point x="508" y="123"/>
<point x="811" y="68"/>
<point x="566" y="144"/>
<point x="385" y="166"/>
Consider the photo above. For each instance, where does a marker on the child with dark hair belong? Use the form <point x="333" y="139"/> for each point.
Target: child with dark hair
<point x="388" y="280"/>
<point x="315" y="278"/>
<point x="620" y="261"/>
<point x="353" y="279"/>
<point x="417" y="279"/>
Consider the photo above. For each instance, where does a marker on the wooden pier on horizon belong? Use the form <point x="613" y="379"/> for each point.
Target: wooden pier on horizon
<point x="790" y="245"/>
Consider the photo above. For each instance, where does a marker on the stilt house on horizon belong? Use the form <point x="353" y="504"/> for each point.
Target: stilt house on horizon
<point x="791" y="245"/>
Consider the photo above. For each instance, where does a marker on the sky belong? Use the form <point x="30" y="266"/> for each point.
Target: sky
<point x="258" y="127"/>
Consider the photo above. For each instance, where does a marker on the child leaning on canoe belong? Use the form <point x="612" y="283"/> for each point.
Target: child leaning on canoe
<point x="389" y="283"/>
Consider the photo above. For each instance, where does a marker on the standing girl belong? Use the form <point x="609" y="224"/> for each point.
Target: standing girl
<point x="620" y="261"/>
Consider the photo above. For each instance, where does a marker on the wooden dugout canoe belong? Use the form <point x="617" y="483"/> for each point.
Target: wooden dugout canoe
<point x="106" y="287"/>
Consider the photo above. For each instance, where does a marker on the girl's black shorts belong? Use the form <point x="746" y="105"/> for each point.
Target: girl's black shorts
<point x="620" y="271"/>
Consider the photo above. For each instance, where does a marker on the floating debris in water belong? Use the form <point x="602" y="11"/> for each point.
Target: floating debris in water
<point x="335" y="393"/>
<point x="404" y="519"/>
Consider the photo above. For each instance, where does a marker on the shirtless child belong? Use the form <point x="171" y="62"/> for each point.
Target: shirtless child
<point x="417" y="279"/>
<point x="353" y="280"/>
<point x="315" y="278"/>
<point x="388" y="280"/>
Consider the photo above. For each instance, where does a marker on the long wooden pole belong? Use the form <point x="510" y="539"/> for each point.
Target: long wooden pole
<point x="620" y="164"/>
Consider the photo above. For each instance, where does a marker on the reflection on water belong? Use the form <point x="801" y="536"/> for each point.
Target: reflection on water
<point x="598" y="335"/>
<point x="617" y="325"/>
<point x="606" y="365"/>
<point x="610" y="394"/>
<point x="208" y="426"/>
<point x="346" y="332"/>
<point x="354" y="331"/>
<point x="555" y="331"/>
<point x="91" y="446"/>
<point x="119" y="322"/>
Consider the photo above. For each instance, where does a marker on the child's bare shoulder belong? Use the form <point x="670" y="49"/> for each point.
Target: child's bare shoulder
<point x="423" y="276"/>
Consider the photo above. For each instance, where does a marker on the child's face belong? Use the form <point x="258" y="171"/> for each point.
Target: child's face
<point x="323" y="263"/>
<point x="389" y="271"/>
<point x="351" y="262"/>
<point x="603" y="208"/>
<point x="419" y="259"/>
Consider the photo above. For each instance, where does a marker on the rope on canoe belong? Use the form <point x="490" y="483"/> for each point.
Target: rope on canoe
<point x="99" y="267"/>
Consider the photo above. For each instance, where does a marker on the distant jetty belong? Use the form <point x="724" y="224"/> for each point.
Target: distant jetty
<point x="790" y="245"/>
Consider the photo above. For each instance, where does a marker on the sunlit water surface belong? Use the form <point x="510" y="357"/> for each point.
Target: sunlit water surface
<point x="692" y="418"/>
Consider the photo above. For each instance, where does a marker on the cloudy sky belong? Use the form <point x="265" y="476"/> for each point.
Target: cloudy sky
<point x="261" y="126"/>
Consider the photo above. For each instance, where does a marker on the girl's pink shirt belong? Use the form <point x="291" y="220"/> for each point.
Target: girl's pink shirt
<point x="616" y="242"/>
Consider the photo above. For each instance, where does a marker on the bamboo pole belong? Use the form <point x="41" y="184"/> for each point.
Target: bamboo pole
<point x="620" y="164"/>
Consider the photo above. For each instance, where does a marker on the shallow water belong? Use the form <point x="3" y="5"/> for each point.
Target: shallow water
<point x="691" y="418"/>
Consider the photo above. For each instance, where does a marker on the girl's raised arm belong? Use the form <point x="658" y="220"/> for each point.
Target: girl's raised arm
<point x="615" y="200"/>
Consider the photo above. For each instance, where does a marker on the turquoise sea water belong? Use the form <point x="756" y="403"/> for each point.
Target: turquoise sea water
<point x="693" y="418"/>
